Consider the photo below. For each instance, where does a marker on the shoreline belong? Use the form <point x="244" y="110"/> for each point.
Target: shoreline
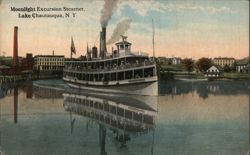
<point x="23" y="78"/>
<point x="199" y="77"/>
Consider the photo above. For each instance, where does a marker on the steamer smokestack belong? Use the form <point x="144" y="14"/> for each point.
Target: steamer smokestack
<point x="103" y="48"/>
<point x="15" y="48"/>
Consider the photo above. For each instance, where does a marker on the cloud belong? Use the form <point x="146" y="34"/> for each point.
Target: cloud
<point x="143" y="7"/>
<point x="140" y="28"/>
<point x="183" y="8"/>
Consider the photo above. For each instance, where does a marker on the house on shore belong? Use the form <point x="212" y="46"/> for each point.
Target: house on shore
<point x="176" y="60"/>
<point x="242" y="65"/>
<point x="214" y="72"/>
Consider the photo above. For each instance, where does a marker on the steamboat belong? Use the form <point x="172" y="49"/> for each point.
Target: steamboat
<point x="122" y="71"/>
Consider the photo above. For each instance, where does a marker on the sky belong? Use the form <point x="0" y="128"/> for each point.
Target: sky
<point x="186" y="29"/>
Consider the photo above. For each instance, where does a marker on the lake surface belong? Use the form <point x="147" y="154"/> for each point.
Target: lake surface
<point x="191" y="118"/>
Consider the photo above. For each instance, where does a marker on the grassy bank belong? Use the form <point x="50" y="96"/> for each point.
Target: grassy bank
<point x="193" y="75"/>
<point x="181" y="75"/>
<point x="16" y="78"/>
<point x="166" y="67"/>
<point x="236" y="75"/>
<point x="178" y="72"/>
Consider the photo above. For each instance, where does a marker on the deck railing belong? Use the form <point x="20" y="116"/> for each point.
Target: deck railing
<point x="109" y="68"/>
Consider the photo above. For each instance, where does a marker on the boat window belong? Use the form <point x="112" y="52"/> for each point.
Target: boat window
<point x="128" y="114"/>
<point x="100" y="77"/>
<point x="96" y="77"/>
<point x="137" y="116"/>
<point x="91" y="77"/>
<point x="113" y="76"/>
<point x="148" y="72"/>
<point x="138" y="73"/>
<point x="128" y="75"/>
<point x="120" y="111"/>
<point x="113" y="109"/>
<point x="120" y="75"/>
<point x="106" y="107"/>
<point x="106" y="77"/>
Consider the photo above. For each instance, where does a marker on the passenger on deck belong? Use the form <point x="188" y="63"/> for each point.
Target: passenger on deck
<point x="122" y="65"/>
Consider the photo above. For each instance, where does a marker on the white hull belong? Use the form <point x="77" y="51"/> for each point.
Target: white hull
<point x="140" y="88"/>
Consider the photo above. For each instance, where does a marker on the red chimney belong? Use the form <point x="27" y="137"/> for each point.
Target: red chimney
<point x="15" y="48"/>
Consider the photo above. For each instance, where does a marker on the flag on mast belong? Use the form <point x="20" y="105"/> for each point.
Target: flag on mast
<point x="73" y="49"/>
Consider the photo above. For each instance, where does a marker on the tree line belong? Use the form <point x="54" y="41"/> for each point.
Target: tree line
<point x="202" y="65"/>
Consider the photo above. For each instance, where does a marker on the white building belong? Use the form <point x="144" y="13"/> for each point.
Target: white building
<point x="214" y="71"/>
<point x="224" y="61"/>
<point x="49" y="62"/>
<point x="242" y="65"/>
<point x="176" y="60"/>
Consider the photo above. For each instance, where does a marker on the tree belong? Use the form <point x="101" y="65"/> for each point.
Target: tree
<point x="226" y="68"/>
<point x="187" y="64"/>
<point x="204" y="64"/>
<point x="233" y="67"/>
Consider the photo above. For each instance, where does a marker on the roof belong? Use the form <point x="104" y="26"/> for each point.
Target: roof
<point x="176" y="58"/>
<point x="216" y="66"/>
<point x="219" y="58"/>
<point x="123" y="42"/>
<point x="49" y="56"/>
<point x="244" y="61"/>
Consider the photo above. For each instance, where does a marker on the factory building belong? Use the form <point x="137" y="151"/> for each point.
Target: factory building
<point x="49" y="62"/>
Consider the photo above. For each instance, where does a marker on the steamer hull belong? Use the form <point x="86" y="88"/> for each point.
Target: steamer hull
<point x="144" y="87"/>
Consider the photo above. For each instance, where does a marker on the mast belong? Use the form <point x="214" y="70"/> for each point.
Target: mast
<point x="87" y="54"/>
<point x="153" y="39"/>
<point x="71" y="48"/>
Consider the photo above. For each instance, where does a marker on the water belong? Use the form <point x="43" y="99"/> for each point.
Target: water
<point x="193" y="118"/>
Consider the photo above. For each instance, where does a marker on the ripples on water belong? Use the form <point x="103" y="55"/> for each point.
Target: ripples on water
<point x="186" y="118"/>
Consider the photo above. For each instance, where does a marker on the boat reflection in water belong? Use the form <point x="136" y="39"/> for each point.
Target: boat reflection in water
<point x="125" y="116"/>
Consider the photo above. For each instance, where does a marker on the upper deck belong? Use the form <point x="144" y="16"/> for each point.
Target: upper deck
<point x="134" y="55"/>
<point x="117" y="63"/>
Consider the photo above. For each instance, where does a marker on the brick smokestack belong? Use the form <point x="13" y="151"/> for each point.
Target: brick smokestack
<point x="103" y="48"/>
<point x="15" y="48"/>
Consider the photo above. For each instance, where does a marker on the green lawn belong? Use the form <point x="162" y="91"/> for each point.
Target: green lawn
<point x="236" y="75"/>
<point x="178" y="71"/>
